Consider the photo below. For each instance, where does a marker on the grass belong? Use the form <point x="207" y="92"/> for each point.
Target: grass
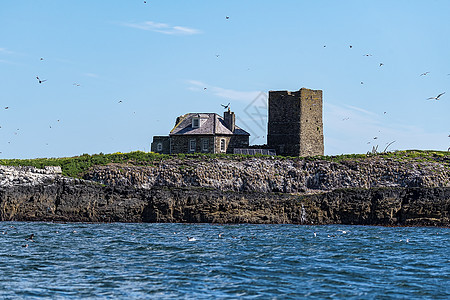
<point x="76" y="166"/>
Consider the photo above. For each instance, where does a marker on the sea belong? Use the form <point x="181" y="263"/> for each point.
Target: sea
<point x="209" y="261"/>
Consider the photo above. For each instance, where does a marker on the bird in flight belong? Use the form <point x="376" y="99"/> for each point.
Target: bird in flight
<point x="120" y="101"/>
<point x="226" y="106"/>
<point x="40" y="81"/>
<point x="381" y="64"/>
<point x="7" y="107"/>
<point x="227" y="17"/>
<point x="367" y="54"/>
<point x="437" y="97"/>
<point x="76" y="84"/>
<point x="423" y="74"/>
<point x="351" y="46"/>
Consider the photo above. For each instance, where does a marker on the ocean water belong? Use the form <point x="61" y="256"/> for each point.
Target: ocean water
<point x="158" y="261"/>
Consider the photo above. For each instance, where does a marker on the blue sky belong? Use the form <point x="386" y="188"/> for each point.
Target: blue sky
<point x="119" y="72"/>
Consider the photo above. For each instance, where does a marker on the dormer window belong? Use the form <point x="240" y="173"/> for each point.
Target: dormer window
<point x="195" y="122"/>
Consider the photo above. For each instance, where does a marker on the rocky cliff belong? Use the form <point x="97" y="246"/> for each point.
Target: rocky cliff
<point x="377" y="190"/>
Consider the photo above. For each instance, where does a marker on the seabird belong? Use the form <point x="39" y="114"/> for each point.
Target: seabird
<point x="423" y="74"/>
<point x="381" y="64"/>
<point x="40" y="81"/>
<point x="6" y="107"/>
<point x="30" y="238"/>
<point x="191" y="239"/>
<point x="351" y="46"/>
<point x="226" y="106"/>
<point x="227" y="17"/>
<point x="367" y="54"/>
<point x="437" y="97"/>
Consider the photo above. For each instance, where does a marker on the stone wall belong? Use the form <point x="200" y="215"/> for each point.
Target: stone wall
<point x="164" y="141"/>
<point x="180" y="144"/>
<point x="295" y="126"/>
<point x="311" y="124"/>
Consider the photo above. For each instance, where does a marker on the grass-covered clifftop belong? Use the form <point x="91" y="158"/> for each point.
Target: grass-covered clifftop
<point x="77" y="166"/>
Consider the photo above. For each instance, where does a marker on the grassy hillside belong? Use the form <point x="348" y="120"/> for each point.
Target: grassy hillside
<point x="77" y="165"/>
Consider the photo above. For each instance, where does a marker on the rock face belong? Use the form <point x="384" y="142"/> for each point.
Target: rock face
<point x="266" y="175"/>
<point x="255" y="190"/>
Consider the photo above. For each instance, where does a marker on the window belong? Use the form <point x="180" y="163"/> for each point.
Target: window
<point x="205" y="145"/>
<point x="192" y="145"/>
<point x="159" y="147"/>
<point x="195" y="122"/>
<point x="222" y="145"/>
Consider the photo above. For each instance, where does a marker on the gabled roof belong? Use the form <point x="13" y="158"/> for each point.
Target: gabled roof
<point x="210" y="123"/>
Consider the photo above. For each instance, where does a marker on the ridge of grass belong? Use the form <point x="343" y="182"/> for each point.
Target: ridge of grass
<point x="77" y="165"/>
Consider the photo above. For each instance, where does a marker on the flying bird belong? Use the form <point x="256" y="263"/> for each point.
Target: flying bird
<point x="227" y="17"/>
<point x="226" y="106"/>
<point x="351" y="46"/>
<point x="423" y="74"/>
<point x="437" y="97"/>
<point x="7" y="107"/>
<point x="120" y="101"/>
<point x="42" y="58"/>
<point x="40" y="81"/>
<point x="367" y="54"/>
<point x="381" y="64"/>
<point x="76" y="84"/>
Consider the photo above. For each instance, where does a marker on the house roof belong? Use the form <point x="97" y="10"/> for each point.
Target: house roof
<point x="210" y="123"/>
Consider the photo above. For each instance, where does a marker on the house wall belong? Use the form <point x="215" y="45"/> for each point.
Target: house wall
<point x="231" y="142"/>
<point x="180" y="143"/>
<point x="164" y="140"/>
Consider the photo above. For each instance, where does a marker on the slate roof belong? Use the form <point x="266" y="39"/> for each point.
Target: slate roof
<point x="210" y="123"/>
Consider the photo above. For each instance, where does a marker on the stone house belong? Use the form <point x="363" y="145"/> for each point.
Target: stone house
<point x="202" y="133"/>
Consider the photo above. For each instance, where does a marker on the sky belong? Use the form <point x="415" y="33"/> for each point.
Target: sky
<point x="115" y="73"/>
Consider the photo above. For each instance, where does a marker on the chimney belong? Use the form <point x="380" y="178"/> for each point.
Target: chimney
<point x="230" y="119"/>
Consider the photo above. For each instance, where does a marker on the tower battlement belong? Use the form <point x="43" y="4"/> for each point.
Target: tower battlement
<point x="295" y="126"/>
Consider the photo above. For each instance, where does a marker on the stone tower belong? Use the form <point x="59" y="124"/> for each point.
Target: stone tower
<point x="295" y="126"/>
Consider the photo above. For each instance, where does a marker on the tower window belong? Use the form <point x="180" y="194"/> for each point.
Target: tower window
<point x="159" y="147"/>
<point x="222" y="145"/>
